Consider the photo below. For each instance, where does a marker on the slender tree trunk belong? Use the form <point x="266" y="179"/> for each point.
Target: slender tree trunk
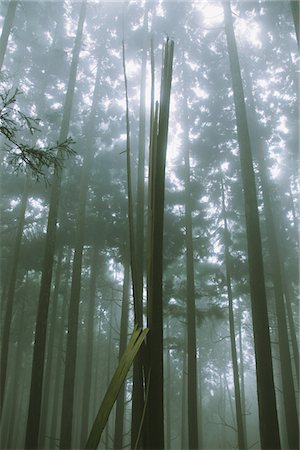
<point x="108" y="375"/>
<point x="72" y="336"/>
<point x="8" y="21"/>
<point x="11" y="293"/>
<point x="119" y="419"/>
<point x="295" y="13"/>
<point x="98" y="367"/>
<point x="242" y="374"/>
<point x="50" y="345"/>
<point x="34" y="411"/>
<point x="223" y="442"/>
<point x="155" y="406"/>
<point x="192" y="388"/>
<point x="292" y="331"/>
<point x="289" y="397"/>
<point x="237" y="393"/>
<point x="9" y="426"/>
<point x="184" y="439"/>
<point x="168" y="389"/>
<point x="269" y="430"/>
<point x="60" y="357"/>
<point x="89" y="347"/>
<point x="138" y="389"/>
<point x="137" y="286"/>
<point x="194" y="394"/>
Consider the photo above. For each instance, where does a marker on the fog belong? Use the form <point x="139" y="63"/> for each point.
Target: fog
<point x="149" y="224"/>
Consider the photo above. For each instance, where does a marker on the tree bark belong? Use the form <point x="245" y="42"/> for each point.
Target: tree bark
<point x="11" y="294"/>
<point x="89" y="347"/>
<point x="138" y="383"/>
<point x="8" y="21"/>
<point x="289" y="398"/>
<point x="155" y="406"/>
<point x="269" y="430"/>
<point x="192" y="389"/>
<point x="60" y="354"/>
<point x="295" y="13"/>
<point x="14" y="391"/>
<point x="72" y="337"/>
<point x="237" y="392"/>
<point x="242" y="374"/>
<point x="168" y="390"/>
<point x="183" y="438"/>
<point x="50" y="345"/>
<point x="34" y="411"/>
<point x="119" y="419"/>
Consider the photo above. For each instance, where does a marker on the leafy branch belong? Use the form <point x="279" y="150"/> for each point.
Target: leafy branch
<point x="23" y="156"/>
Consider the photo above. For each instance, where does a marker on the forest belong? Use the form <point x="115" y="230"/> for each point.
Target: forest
<point x="149" y="224"/>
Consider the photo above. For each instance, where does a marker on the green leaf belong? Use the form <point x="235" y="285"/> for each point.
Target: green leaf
<point x="118" y="378"/>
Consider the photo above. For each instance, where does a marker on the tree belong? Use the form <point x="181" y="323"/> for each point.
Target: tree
<point x="119" y="420"/>
<point x="269" y="431"/>
<point x="192" y="391"/>
<point x="237" y="391"/>
<point x="155" y="408"/>
<point x="289" y="397"/>
<point x="22" y="156"/>
<point x="71" y="350"/>
<point x="295" y="13"/>
<point x="33" y="421"/>
<point x="9" y="18"/>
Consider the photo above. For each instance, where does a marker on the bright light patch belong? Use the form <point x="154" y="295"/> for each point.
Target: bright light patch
<point x="14" y="203"/>
<point x="37" y="205"/>
<point x="275" y="171"/>
<point x="132" y="68"/>
<point x="212" y="14"/>
<point x="174" y="143"/>
<point x="56" y="106"/>
<point x="249" y="30"/>
<point x="282" y="125"/>
<point x="159" y="10"/>
<point x="224" y="166"/>
<point x="200" y="93"/>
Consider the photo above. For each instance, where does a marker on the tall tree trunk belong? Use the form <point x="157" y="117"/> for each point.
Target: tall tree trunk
<point x="14" y="392"/>
<point x="138" y="389"/>
<point x="223" y="443"/>
<point x="50" y="345"/>
<point x="292" y="329"/>
<point x="137" y="285"/>
<point x="237" y="392"/>
<point x="11" y="293"/>
<point x="192" y="388"/>
<point x="108" y="375"/>
<point x="168" y="388"/>
<point x="269" y="430"/>
<point x="59" y="362"/>
<point x="8" y="21"/>
<point x="72" y="336"/>
<point x="289" y="398"/>
<point x="295" y="13"/>
<point x="119" y="419"/>
<point x="184" y="439"/>
<point x="89" y="346"/>
<point x="155" y="406"/>
<point x="242" y="374"/>
<point x="34" y="411"/>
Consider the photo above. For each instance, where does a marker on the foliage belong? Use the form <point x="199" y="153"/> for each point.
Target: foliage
<point x="21" y="155"/>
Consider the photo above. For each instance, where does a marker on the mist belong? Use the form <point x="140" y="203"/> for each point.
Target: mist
<point x="149" y="224"/>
